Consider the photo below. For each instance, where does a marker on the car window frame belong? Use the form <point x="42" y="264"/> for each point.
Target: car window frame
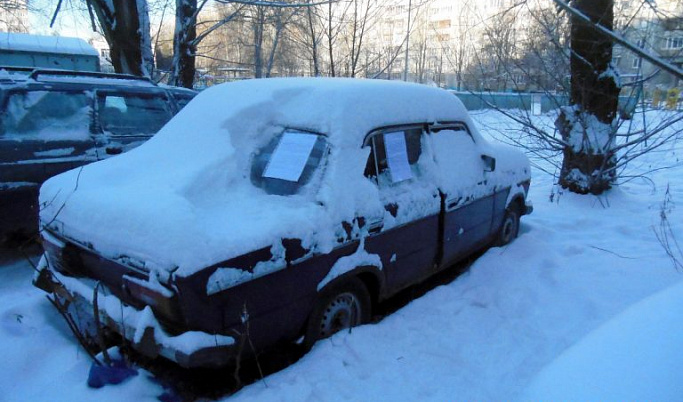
<point x="318" y="172"/>
<point x="435" y="128"/>
<point x="167" y="101"/>
<point x="9" y="92"/>
<point x="368" y="141"/>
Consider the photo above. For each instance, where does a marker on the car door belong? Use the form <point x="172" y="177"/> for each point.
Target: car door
<point x="407" y="237"/>
<point x="467" y="200"/>
<point x="127" y="119"/>
<point x="42" y="133"/>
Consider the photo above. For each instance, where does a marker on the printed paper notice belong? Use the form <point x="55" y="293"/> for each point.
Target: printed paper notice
<point x="397" y="156"/>
<point x="290" y="156"/>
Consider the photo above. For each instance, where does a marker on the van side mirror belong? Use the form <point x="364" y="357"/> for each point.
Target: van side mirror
<point x="489" y="163"/>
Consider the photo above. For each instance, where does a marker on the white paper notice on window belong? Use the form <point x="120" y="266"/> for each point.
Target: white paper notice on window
<point x="397" y="156"/>
<point x="290" y="156"/>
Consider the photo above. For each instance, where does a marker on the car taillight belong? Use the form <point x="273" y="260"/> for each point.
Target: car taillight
<point x="62" y="257"/>
<point x="162" y="300"/>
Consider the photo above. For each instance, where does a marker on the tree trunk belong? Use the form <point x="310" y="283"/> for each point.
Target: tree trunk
<point x="587" y="125"/>
<point x="125" y="25"/>
<point x="330" y="39"/>
<point x="276" y="40"/>
<point x="184" y="47"/>
<point x="314" y="41"/>
<point x="258" y="27"/>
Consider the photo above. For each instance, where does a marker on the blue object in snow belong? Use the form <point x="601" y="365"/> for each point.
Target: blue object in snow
<point x="116" y="373"/>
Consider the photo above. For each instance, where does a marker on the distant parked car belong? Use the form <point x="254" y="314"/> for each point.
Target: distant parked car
<point x="302" y="204"/>
<point x="52" y="121"/>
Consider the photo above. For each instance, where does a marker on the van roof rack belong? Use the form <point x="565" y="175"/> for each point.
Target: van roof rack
<point x="14" y="74"/>
<point x="17" y="68"/>
<point x="91" y="74"/>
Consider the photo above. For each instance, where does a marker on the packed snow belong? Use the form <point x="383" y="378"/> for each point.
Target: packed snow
<point x="21" y="42"/>
<point x="646" y="339"/>
<point x="586" y="293"/>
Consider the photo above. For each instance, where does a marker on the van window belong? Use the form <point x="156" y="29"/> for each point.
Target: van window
<point x="132" y="114"/>
<point x="48" y="115"/>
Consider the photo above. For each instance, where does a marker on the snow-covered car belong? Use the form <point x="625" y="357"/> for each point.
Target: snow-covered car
<point x="52" y="121"/>
<point x="303" y="203"/>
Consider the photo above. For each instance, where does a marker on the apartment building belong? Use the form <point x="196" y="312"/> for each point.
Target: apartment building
<point x="462" y="44"/>
<point x="14" y="16"/>
<point x="657" y="28"/>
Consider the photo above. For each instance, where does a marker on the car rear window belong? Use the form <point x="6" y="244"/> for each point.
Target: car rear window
<point x="132" y="114"/>
<point x="47" y="115"/>
<point x="286" y="164"/>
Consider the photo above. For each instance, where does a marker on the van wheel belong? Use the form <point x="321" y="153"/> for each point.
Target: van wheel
<point x="341" y="306"/>
<point x="510" y="228"/>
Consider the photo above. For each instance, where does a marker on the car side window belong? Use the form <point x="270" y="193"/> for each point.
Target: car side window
<point x="452" y="139"/>
<point x="458" y="157"/>
<point x="132" y="114"/>
<point x="47" y="114"/>
<point x="394" y="154"/>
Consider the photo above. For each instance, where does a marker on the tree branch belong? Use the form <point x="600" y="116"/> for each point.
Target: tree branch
<point x="668" y="67"/>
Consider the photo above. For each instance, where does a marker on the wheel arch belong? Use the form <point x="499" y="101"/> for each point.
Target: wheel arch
<point x="370" y="275"/>
<point x="517" y="202"/>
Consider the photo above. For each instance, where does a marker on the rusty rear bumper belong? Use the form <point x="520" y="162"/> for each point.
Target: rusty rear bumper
<point x="139" y="327"/>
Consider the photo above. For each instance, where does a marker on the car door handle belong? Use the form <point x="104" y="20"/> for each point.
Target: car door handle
<point x="113" y="150"/>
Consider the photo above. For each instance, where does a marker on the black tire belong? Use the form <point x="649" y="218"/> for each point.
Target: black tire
<point x="510" y="227"/>
<point x="340" y="306"/>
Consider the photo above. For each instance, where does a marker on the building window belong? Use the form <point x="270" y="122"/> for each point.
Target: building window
<point x="444" y="24"/>
<point x="637" y="62"/>
<point x="674" y="43"/>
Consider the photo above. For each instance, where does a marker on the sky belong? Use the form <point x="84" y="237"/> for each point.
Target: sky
<point x="72" y="19"/>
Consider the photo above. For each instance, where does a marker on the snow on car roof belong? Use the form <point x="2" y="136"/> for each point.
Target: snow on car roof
<point x="45" y="44"/>
<point x="336" y="106"/>
<point x="184" y="198"/>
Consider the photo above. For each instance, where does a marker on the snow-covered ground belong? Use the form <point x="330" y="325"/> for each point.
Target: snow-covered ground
<point x="585" y="304"/>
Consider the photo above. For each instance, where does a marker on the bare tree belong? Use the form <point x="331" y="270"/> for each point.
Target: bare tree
<point x="499" y="49"/>
<point x="186" y="39"/>
<point x="603" y="147"/>
<point x="314" y="38"/>
<point x="587" y="125"/>
<point x="125" y="25"/>
<point x="362" y="16"/>
<point x="184" y="43"/>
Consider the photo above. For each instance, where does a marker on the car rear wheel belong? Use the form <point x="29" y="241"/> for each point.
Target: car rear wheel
<point x="510" y="228"/>
<point x="341" y="306"/>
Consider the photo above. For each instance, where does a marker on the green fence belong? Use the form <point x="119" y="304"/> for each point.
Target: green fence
<point x="529" y="101"/>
